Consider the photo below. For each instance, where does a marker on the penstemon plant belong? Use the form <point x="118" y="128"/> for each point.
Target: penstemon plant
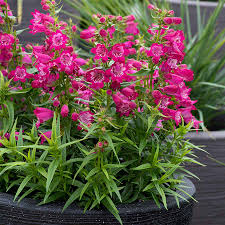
<point x="101" y="130"/>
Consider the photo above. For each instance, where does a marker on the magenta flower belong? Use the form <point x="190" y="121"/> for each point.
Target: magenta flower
<point x="6" y="41"/>
<point x="43" y="115"/>
<point x="156" y="51"/>
<point x="64" y="111"/>
<point x="100" y="52"/>
<point x="86" y="117"/>
<point x="66" y="62"/>
<point x="88" y="33"/>
<point x="132" y="28"/>
<point x="20" y="74"/>
<point x="117" y="71"/>
<point x="97" y="78"/>
<point x="129" y="93"/>
<point x="58" y="40"/>
<point x="118" y="51"/>
<point x="123" y="105"/>
<point x="184" y="73"/>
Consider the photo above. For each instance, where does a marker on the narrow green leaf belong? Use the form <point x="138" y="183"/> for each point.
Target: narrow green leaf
<point x="22" y="185"/>
<point x="143" y="167"/>
<point x="51" y="172"/>
<point x="108" y="203"/>
<point x="72" y="198"/>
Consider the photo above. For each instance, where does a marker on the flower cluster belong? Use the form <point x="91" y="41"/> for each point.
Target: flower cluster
<point x="154" y="74"/>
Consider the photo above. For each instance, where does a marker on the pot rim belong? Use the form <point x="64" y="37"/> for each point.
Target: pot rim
<point x="209" y="135"/>
<point x="194" y="3"/>
<point x="28" y="204"/>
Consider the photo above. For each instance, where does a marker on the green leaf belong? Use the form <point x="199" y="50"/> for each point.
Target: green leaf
<point x="141" y="72"/>
<point x="51" y="172"/>
<point x="143" y="167"/>
<point x="16" y="92"/>
<point x="92" y="173"/>
<point x="86" y="160"/>
<point x="72" y="198"/>
<point x="108" y="203"/>
<point x="84" y="189"/>
<point x="162" y="194"/>
<point x="10" y="165"/>
<point x="32" y="70"/>
<point x="109" y="140"/>
<point x="142" y="145"/>
<point x="8" y="123"/>
<point x="115" y="189"/>
<point x="18" y="32"/>
<point x="211" y="84"/>
<point x="22" y="185"/>
<point x="26" y="194"/>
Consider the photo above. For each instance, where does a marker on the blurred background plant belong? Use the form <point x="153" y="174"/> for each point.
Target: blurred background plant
<point x="203" y="52"/>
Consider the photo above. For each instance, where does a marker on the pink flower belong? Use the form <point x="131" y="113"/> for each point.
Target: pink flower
<point x="151" y="7"/>
<point x="184" y="73"/>
<point x="58" y="40"/>
<point x="123" y="105"/>
<point x="20" y="74"/>
<point x="86" y="117"/>
<point x="27" y="59"/>
<point x="129" y="93"/>
<point x="117" y="71"/>
<point x="56" y="103"/>
<point x="66" y="62"/>
<point x="74" y="28"/>
<point x="103" y="33"/>
<point x="43" y="115"/>
<point x="168" y="20"/>
<point x="111" y="31"/>
<point x="88" y="33"/>
<point x="42" y="58"/>
<point x="156" y="51"/>
<point x="100" y="52"/>
<point x="80" y="61"/>
<point x="132" y="28"/>
<point x="159" y="125"/>
<point x="75" y="116"/>
<point x="64" y="111"/>
<point x="6" y="41"/>
<point x="162" y="100"/>
<point x="172" y="20"/>
<point x="130" y="18"/>
<point x="102" y="19"/>
<point x="117" y="51"/>
<point x="97" y="78"/>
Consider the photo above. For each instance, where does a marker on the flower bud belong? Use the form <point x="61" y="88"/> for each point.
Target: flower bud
<point x="75" y="116"/>
<point x="56" y="103"/>
<point x="103" y="33"/>
<point x="64" y="111"/>
<point x="151" y="7"/>
<point x="177" y="20"/>
<point x="100" y="144"/>
<point x="74" y="28"/>
<point x="168" y="20"/>
<point x="102" y="20"/>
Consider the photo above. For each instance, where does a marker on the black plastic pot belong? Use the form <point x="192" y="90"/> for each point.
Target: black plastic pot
<point x="143" y="213"/>
<point x="211" y="187"/>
